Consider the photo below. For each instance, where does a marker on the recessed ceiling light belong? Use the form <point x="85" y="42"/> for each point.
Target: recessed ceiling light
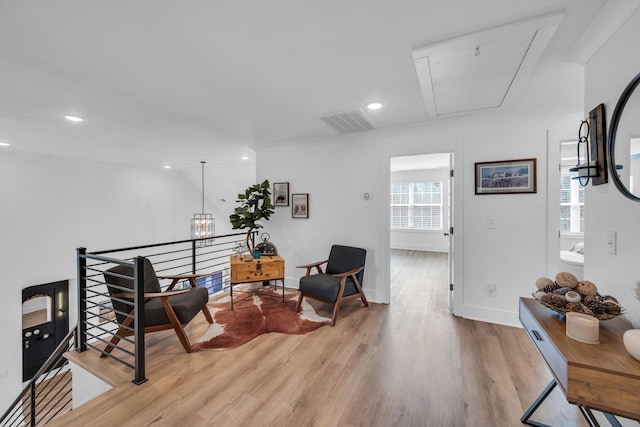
<point x="375" y="105"/>
<point x="73" y="118"/>
<point x="4" y="144"/>
<point x="245" y="157"/>
<point x="167" y="166"/>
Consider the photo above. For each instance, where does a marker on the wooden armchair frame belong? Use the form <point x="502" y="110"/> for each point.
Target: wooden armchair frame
<point x="125" y="329"/>
<point x="343" y="281"/>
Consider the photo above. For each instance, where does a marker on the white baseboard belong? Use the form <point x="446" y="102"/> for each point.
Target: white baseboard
<point x="429" y="248"/>
<point x="484" y="314"/>
<point x="371" y="294"/>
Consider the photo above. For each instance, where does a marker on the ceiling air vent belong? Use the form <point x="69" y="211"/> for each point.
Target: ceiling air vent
<point x="348" y="122"/>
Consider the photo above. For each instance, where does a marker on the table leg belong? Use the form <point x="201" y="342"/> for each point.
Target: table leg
<point x="275" y="281"/>
<point x="231" y="294"/>
<point x="613" y="420"/>
<point x="525" y="418"/>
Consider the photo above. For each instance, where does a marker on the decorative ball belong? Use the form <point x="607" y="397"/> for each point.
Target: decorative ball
<point x="631" y="341"/>
<point x="543" y="282"/>
<point x="572" y="297"/>
<point x="565" y="279"/>
<point x="538" y="295"/>
<point x="586" y="288"/>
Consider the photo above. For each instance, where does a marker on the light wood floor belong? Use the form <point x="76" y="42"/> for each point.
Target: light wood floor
<point x="410" y="363"/>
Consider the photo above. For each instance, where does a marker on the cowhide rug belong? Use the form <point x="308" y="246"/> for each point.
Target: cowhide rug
<point x="256" y="315"/>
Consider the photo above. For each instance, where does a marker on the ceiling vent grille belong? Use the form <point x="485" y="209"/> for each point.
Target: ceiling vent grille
<point x="348" y="122"/>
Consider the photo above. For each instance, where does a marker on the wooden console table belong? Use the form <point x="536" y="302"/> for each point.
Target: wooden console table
<point x="246" y="269"/>
<point x="592" y="376"/>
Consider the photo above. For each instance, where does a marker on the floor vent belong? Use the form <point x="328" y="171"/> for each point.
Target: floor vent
<point x="348" y="122"/>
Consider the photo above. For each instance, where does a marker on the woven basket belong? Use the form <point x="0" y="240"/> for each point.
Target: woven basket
<point x="602" y="316"/>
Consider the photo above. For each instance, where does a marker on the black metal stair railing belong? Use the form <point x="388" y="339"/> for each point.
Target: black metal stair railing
<point x="48" y="394"/>
<point x="98" y="322"/>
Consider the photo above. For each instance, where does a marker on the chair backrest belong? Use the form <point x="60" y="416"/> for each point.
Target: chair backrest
<point x="151" y="284"/>
<point x="345" y="258"/>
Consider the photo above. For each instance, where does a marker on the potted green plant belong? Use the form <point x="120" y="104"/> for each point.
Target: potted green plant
<point x="255" y="205"/>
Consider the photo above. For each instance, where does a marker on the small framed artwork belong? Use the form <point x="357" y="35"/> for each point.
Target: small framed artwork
<point x="506" y="177"/>
<point x="300" y="205"/>
<point x="281" y="193"/>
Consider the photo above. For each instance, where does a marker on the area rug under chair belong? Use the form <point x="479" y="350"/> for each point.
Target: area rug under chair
<point x="258" y="314"/>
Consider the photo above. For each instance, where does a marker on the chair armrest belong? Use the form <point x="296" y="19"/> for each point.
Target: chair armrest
<point x="184" y="276"/>
<point x="178" y="277"/>
<point x="312" y="265"/>
<point x="149" y="295"/>
<point x="349" y="273"/>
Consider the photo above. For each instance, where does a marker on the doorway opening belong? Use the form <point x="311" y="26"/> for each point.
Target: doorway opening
<point x="421" y="220"/>
<point x="572" y="204"/>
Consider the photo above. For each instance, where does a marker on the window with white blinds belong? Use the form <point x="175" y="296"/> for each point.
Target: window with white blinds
<point x="416" y="205"/>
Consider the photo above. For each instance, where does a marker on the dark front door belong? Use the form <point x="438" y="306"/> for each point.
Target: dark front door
<point x="45" y="323"/>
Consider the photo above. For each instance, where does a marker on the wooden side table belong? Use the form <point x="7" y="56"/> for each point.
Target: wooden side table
<point x="246" y="269"/>
<point x="592" y="376"/>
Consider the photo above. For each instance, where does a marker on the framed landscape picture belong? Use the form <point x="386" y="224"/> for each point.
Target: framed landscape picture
<point x="506" y="177"/>
<point x="281" y="194"/>
<point x="300" y="205"/>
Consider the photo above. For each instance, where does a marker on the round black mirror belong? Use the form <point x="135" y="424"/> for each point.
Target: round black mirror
<point x="624" y="142"/>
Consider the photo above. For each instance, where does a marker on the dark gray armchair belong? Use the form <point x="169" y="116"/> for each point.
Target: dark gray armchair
<point x="342" y="279"/>
<point x="162" y="310"/>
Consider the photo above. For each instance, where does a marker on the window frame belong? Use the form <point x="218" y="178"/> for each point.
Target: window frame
<point x="410" y="205"/>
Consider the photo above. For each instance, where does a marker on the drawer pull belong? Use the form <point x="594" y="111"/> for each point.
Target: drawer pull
<point x="537" y="335"/>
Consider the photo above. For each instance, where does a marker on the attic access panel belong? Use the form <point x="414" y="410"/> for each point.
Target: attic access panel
<point x="482" y="70"/>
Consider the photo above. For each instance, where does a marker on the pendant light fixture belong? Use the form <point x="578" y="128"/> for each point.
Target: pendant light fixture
<point x="202" y="224"/>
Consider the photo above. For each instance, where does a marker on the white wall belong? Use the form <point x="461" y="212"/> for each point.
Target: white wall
<point x="423" y="240"/>
<point x="52" y="206"/>
<point x="606" y="75"/>
<point x="337" y="171"/>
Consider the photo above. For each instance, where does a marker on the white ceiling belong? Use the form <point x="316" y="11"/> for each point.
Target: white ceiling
<point x="177" y="82"/>
<point x="420" y="162"/>
<point x="483" y="70"/>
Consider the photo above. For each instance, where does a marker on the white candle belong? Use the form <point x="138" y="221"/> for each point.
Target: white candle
<point x="583" y="328"/>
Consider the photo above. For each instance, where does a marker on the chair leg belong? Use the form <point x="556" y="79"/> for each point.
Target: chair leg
<point x="299" y="302"/>
<point x="113" y="342"/>
<point x="336" y="310"/>
<point x="207" y="314"/>
<point x="336" y="305"/>
<point x="184" y="340"/>
<point x="122" y="330"/>
<point x="359" y="288"/>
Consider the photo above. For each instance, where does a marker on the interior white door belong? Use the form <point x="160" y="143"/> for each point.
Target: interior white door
<point x="449" y="233"/>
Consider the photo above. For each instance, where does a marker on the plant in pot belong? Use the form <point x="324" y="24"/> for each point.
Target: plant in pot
<point x="255" y="205"/>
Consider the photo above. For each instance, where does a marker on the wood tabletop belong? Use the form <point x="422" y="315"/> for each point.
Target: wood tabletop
<point x="602" y="376"/>
<point x="609" y="355"/>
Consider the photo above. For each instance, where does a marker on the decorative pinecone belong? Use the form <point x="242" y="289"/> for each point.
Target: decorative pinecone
<point x="554" y="300"/>
<point x="596" y="307"/>
<point x="549" y="289"/>
<point x="609" y="298"/>
<point x="612" y="308"/>
<point x="586" y="310"/>
<point x="574" y="306"/>
<point x="588" y="299"/>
